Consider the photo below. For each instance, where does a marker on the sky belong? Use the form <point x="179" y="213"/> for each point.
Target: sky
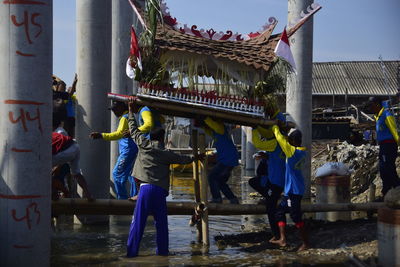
<point x="344" y="30"/>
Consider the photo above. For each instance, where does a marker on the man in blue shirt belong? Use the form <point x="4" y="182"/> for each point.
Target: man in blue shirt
<point x="127" y="151"/>
<point x="294" y="185"/>
<point x="227" y="159"/>
<point x="388" y="140"/>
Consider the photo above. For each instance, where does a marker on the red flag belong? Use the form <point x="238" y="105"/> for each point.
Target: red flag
<point x="134" y="44"/>
<point x="134" y="56"/>
<point x="283" y="49"/>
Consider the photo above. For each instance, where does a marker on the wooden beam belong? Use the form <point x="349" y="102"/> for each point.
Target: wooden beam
<point x="203" y="191"/>
<point x="186" y="110"/>
<point x="80" y="206"/>
<point x="196" y="178"/>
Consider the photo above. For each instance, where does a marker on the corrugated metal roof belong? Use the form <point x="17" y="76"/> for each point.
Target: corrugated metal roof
<point x="357" y="77"/>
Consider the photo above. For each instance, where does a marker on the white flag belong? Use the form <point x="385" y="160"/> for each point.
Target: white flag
<point x="283" y="50"/>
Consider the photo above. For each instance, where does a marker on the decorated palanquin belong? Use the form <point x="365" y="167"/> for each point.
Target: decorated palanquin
<point x="188" y="71"/>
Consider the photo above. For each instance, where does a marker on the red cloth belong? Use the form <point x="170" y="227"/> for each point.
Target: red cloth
<point x="281" y="224"/>
<point x="60" y="142"/>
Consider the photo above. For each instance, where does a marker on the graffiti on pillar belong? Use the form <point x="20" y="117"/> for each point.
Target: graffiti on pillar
<point x="25" y="117"/>
<point x="29" y="21"/>
<point x="31" y="215"/>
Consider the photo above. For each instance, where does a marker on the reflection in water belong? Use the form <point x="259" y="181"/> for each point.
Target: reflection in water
<point x="106" y="245"/>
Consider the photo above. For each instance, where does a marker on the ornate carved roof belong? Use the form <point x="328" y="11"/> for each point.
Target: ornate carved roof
<point x="257" y="52"/>
<point x="254" y="50"/>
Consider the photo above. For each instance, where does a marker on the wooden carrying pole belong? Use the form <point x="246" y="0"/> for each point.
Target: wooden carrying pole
<point x="189" y="111"/>
<point x="203" y="191"/>
<point x="80" y="206"/>
<point x="196" y="181"/>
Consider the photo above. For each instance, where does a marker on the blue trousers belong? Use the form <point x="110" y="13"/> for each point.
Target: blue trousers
<point x="218" y="178"/>
<point x="122" y="173"/>
<point x="151" y="200"/>
<point x="387" y="166"/>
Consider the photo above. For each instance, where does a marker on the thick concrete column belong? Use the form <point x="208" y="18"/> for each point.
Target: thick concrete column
<point x="122" y="18"/>
<point x="26" y="39"/>
<point x="93" y="48"/>
<point x="299" y="87"/>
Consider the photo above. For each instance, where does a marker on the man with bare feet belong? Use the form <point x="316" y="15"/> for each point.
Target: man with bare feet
<point x="294" y="186"/>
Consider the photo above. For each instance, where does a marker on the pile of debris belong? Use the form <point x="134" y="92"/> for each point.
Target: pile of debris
<point x="364" y="162"/>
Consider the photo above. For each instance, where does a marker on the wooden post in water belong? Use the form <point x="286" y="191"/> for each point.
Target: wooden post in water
<point x="203" y="191"/>
<point x="196" y="179"/>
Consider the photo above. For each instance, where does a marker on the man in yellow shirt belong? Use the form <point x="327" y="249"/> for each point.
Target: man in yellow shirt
<point x="388" y="140"/>
<point x="127" y="151"/>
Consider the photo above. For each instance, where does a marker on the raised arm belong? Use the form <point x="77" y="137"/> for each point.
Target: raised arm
<point x="267" y="145"/>
<point x="266" y="132"/>
<point x="72" y="89"/>
<point x="217" y="127"/>
<point x="287" y="148"/>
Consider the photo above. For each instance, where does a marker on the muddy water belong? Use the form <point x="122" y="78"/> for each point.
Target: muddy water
<point x="77" y="245"/>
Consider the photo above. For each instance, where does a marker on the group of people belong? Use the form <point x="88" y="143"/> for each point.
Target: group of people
<point x="65" y="149"/>
<point x="280" y="171"/>
<point x="144" y="161"/>
<point x="281" y="161"/>
<point x="152" y="168"/>
<point x="122" y="172"/>
<point x="282" y="174"/>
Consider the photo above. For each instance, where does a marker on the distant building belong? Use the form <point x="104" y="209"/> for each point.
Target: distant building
<point x="333" y="82"/>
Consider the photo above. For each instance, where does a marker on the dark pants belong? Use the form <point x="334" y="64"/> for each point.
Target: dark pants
<point x="274" y="193"/>
<point x="218" y="178"/>
<point x="290" y="204"/>
<point x="151" y="200"/>
<point x="387" y="166"/>
<point x="255" y="183"/>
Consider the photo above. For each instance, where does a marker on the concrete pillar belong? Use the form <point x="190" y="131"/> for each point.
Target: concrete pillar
<point x="122" y="18"/>
<point x="250" y="149"/>
<point x="389" y="236"/>
<point x="26" y="39"/>
<point x="93" y="48"/>
<point x="299" y="87"/>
